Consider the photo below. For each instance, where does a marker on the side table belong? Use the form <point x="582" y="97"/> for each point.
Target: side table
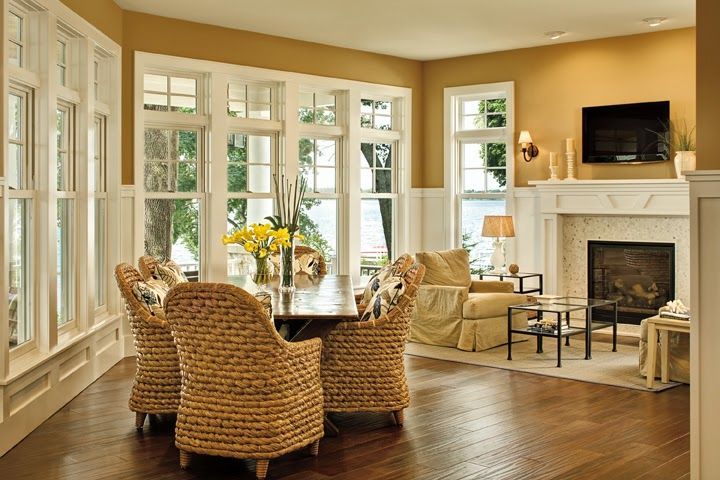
<point x="655" y="326"/>
<point x="521" y="278"/>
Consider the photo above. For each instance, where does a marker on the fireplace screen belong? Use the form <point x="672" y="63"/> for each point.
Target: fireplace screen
<point x="640" y="276"/>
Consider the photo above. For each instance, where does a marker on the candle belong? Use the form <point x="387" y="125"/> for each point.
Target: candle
<point x="569" y="144"/>
<point x="553" y="159"/>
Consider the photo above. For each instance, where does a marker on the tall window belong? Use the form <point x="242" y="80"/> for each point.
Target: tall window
<point x="251" y="163"/>
<point x="481" y="153"/>
<point x="16" y="39"/>
<point x="62" y="54"/>
<point x="100" y="231"/>
<point x="20" y="216"/>
<point x="66" y="231"/>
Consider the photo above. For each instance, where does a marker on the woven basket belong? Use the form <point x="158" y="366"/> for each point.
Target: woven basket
<point x="156" y="387"/>
<point x="246" y="392"/>
<point x="362" y="364"/>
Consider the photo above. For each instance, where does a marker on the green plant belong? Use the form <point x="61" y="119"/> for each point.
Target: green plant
<point x="676" y="136"/>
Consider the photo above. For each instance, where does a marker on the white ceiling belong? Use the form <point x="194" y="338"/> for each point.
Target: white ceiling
<point x="428" y="29"/>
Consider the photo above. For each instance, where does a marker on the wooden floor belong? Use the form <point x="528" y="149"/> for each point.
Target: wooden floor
<point x="465" y="422"/>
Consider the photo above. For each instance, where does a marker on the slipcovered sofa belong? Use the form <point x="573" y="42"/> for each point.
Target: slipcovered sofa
<point x="678" y="355"/>
<point x="455" y="311"/>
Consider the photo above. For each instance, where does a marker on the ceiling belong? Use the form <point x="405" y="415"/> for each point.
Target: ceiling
<point x="428" y="29"/>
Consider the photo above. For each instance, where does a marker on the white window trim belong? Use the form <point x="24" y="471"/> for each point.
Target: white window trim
<point x="214" y="260"/>
<point x="452" y="156"/>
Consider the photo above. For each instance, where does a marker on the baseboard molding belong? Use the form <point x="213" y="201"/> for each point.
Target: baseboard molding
<point x="33" y="397"/>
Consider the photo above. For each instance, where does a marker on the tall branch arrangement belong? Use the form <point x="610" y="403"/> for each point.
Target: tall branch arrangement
<point x="289" y="198"/>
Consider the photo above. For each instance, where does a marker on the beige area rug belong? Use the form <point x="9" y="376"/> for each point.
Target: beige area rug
<point x="606" y="367"/>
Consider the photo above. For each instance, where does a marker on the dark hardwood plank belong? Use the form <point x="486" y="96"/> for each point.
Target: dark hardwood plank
<point x="464" y="422"/>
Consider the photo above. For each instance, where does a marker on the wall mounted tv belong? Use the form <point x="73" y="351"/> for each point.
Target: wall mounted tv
<point x="624" y="133"/>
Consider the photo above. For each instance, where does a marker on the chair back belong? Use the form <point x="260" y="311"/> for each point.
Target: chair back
<point x="147" y="265"/>
<point x="301" y="250"/>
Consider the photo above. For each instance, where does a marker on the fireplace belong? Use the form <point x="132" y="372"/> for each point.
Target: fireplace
<point x="640" y="276"/>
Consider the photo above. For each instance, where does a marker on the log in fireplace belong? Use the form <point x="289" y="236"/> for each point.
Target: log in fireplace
<point x="640" y="276"/>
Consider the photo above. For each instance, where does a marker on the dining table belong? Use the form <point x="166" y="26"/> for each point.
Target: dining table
<point x="316" y="306"/>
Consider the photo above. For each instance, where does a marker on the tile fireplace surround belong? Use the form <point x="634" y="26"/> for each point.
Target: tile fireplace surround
<point x="572" y="213"/>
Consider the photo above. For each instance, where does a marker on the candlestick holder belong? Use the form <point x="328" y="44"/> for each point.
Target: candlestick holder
<point x="570" y="158"/>
<point x="553" y="172"/>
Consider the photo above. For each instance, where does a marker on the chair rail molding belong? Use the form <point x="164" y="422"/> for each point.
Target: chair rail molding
<point x="627" y="198"/>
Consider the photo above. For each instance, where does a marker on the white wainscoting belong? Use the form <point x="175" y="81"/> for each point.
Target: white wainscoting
<point x="704" y="351"/>
<point x="427" y="217"/>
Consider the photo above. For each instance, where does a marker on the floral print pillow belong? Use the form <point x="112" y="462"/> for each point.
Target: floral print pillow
<point x="397" y="268"/>
<point x="385" y="298"/>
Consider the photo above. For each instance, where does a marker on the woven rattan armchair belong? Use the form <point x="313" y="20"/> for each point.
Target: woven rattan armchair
<point x="156" y="387"/>
<point x="246" y="392"/>
<point x="302" y="250"/>
<point x="147" y="266"/>
<point x="362" y="363"/>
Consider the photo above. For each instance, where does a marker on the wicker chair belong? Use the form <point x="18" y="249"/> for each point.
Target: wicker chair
<point x="246" y="392"/>
<point x="147" y="266"/>
<point x="302" y="250"/>
<point x="362" y="363"/>
<point x="156" y="387"/>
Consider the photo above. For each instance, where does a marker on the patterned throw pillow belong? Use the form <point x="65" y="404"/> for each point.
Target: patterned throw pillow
<point x="151" y="295"/>
<point x="170" y="273"/>
<point x="307" y="263"/>
<point x="385" y="298"/>
<point x="397" y="268"/>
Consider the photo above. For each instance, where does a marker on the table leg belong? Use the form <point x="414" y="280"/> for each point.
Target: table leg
<point x="567" y="322"/>
<point x="664" y="357"/>
<point x="559" y="340"/>
<point x="509" y="326"/>
<point x="588" y="333"/>
<point x="331" y="430"/>
<point x="651" y="350"/>
<point x="541" y="284"/>
<point x="615" y="312"/>
<point x="539" y="344"/>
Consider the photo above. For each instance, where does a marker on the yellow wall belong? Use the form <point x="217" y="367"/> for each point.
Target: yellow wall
<point x="553" y="83"/>
<point x="153" y="34"/>
<point x="708" y="78"/>
<point x="106" y="15"/>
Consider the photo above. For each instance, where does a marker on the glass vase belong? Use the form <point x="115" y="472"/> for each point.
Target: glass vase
<point x="262" y="272"/>
<point x="287" y="268"/>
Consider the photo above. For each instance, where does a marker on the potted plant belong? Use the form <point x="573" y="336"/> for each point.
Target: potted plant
<point x="681" y="140"/>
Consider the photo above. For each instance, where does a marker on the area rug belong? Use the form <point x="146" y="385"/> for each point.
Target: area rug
<point x="606" y="367"/>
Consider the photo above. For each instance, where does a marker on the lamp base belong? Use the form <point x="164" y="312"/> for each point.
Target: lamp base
<point x="498" y="257"/>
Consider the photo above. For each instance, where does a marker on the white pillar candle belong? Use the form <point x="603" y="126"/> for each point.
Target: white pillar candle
<point x="569" y="144"/>
<point x="553" y="159"/>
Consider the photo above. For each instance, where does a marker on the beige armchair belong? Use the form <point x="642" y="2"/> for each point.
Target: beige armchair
<point x="455" y="311"/>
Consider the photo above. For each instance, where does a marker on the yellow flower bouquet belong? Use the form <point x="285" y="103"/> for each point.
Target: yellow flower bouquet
<point x="260" y="240"/>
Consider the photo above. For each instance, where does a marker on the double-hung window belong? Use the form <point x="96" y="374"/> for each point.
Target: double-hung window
<point x="66" y="213"/>
<point x="480" y="163"/>
<point x="378" y="182"/>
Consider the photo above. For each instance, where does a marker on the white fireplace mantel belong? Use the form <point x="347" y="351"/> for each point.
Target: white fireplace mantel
<point x="626" y="198"/>
<point x="614" y="197"/>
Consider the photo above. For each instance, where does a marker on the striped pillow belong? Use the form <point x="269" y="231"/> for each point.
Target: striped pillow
<point x="170" y="273"/>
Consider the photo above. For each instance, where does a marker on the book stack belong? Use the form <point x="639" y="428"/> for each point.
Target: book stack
<point x="675" y="316"/>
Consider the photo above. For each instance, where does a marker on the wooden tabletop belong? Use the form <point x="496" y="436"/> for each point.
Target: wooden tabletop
<point x="325" y="297"/>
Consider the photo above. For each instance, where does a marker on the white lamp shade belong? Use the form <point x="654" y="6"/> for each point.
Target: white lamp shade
<point x="498" y="226"/>
<point x="525" y="137"/>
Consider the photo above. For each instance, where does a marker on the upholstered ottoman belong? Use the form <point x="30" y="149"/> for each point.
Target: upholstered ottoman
<point x="484" y="323"/>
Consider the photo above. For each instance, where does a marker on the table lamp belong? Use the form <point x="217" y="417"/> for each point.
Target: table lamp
<point x="499" y="227"/>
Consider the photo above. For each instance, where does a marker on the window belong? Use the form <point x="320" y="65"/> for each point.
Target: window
<point x="376" y="114"/>
<point x="379" y="192"/>
<point x="318" y="162"/>
<point x="173" y="180"/>
<point x="317" y="108"/>
<point x="19" y="167"/>
<point x="16" y="39"/>
<point x="165" y="93"/>
<point x="100" y="230"/>
<point x="250" y="101"/>
<point x="481" y="149"/>
<point x="66" y="227"/>
<point x="251" y="162"/>
<point x="61" y="53"/>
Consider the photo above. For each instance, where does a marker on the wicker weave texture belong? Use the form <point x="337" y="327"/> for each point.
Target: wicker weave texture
<point x="302" y="250"/>
<point x="246" y="392"/>
<point x="147" y="266"/>
<point x="362" y="365"/>
<point x="156" y="387"/>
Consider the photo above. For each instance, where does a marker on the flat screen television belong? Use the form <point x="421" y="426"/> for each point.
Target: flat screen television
<point x="625" y="133"/>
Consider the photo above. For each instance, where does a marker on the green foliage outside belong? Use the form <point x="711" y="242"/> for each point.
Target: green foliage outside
<point x="492" y="114"/>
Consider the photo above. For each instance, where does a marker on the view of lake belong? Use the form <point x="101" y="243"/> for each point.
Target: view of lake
<point x="372" y="240"/>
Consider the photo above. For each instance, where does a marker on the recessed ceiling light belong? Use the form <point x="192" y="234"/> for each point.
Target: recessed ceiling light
<point x="654" y="21"/>
<point x="554" y="35"/>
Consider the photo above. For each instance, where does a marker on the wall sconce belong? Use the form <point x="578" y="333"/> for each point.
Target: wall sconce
<point x="527" y="146"/>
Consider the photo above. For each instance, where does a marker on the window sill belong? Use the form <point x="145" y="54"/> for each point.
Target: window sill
<point x="34" y="358"/>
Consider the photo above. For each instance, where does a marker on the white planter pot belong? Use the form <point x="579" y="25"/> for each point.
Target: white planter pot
<point x="684" y="161"/>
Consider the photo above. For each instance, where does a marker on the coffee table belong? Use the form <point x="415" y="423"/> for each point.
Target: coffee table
<point x="562" y="307"/>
